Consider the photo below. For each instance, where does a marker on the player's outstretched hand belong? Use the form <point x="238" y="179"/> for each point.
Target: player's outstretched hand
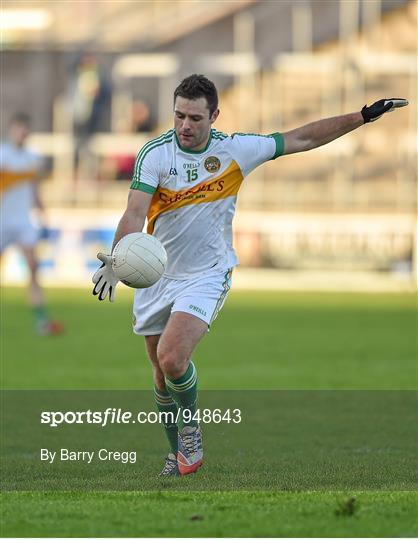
<point x="375" y="111"/>
<point x="104" y="279"/>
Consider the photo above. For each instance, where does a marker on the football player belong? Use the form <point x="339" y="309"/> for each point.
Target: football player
<point x="20" y="173"/>
<point x="186" y="183"/>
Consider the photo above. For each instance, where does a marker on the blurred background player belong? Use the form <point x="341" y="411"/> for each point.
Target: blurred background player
<point x="20" y="176"/>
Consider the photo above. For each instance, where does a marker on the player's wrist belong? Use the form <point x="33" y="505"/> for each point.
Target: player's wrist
<point x="365" y="114"/>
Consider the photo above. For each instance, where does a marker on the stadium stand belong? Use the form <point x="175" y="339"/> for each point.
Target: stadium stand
<point x="278" y="65"/>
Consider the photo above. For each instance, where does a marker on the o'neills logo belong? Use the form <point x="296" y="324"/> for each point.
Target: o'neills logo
<point x="212" y="164"/>
<point x="196" y="193"/>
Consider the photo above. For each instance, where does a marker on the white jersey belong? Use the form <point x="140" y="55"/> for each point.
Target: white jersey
<point x="19" y="169"/>
<point x="194" y="195"/>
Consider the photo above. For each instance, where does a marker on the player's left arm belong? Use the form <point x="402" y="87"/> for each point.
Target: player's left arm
<point x="38" y="203"/>
<point x="39" y="176"/>
<point x="37" y="199"/>
<point x="324" y="131"/>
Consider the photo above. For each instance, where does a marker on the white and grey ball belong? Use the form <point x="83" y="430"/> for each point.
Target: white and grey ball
<point x="139" y="260"/>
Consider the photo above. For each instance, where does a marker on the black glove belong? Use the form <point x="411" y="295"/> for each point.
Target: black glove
<point x="375" y="111"/>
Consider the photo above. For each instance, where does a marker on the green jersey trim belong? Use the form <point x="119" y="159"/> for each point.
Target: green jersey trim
<point x="154" y="143"/>
<point x="219" y="134"/>
<point x="142" y="186"/>
<point x="248" y="134"/>
<point x="151" y="143"/>
<point x="279" y="139"/>
<point x="194" y="151"/>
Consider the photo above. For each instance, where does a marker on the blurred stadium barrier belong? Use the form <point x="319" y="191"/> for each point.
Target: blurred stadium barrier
<point x="315" y="251"/>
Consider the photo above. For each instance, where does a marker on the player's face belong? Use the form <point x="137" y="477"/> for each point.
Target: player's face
<point x="192" y="122"/>
<point x="18" y="133"/>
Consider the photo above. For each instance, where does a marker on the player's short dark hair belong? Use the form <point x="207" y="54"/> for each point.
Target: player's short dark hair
<point x="20" y="118"/>
<point x="197" y="86"/>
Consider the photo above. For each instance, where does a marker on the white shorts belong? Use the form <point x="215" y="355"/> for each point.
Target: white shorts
<point x="202" y="296"/>
<point x="23" y="233"/>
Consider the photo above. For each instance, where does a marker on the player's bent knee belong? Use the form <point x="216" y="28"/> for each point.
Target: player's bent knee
<point x="172" y="364"/>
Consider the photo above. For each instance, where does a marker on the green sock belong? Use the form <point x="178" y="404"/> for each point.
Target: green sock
<point x="40" y="314"/>
<point x="166" y="404"/>
<point x="184" y="392"/>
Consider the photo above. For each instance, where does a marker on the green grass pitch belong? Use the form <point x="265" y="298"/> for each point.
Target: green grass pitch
<point x="266" y="340"/>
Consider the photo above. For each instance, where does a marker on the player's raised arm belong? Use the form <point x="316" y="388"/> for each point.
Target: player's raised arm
<point x="324" y="131"/>
<point x="133" y="220"/>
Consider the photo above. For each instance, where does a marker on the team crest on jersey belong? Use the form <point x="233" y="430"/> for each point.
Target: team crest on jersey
<point x="212" y="164"/>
